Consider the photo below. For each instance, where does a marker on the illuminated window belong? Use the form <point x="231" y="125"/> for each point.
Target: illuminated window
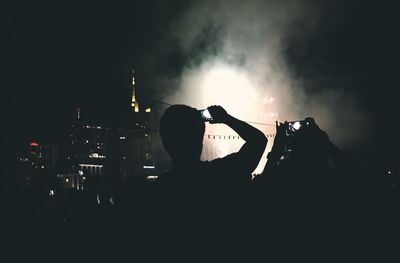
<point x="97" y="156"/>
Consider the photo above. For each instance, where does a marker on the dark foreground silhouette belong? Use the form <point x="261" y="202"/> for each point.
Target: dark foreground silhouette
<point x="310" y="202"/>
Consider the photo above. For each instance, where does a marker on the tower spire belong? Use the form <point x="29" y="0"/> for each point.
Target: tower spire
<point x="134" y="103"/>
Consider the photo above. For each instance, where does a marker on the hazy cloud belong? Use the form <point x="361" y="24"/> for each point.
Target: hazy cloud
<point x="245" y="42"/>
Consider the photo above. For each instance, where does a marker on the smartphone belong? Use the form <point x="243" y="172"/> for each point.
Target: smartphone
<point x="205" y="114"/>
<point x="294" y="126"/>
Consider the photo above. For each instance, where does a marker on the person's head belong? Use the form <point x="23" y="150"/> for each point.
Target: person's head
<point x="182" y="130"/>
<point x="311" y="144"/>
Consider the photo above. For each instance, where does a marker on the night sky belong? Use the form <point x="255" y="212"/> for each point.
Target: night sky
<point x="62" y="55"/>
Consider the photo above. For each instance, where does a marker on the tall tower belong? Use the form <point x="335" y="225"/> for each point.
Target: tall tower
<point x="134" y="103"/>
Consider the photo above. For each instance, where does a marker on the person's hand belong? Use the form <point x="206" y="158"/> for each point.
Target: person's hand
<point x="280" y="136"/>
<point x="218" y="114"/>
<point x="280" y="142"/>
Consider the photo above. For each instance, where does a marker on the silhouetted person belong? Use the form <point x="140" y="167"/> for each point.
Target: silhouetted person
<point x="201" y="199"/>
<point x="313" y="159"/>
<point x="310" y="188"/>
<point x="182" y="129"/>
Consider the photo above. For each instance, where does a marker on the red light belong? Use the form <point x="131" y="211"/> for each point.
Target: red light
<point x="34" y="144"/>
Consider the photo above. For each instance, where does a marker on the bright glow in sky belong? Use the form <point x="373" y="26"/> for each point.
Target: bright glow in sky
<point x="229" y="87"/>
<point x="232" y="88"/>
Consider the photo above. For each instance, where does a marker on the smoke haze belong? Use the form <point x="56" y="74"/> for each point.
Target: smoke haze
<point x="235" y="56"/>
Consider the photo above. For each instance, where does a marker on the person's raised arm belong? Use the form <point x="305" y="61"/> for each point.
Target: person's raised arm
<point x="277" y="149"/>
<point x="250" y="153"/>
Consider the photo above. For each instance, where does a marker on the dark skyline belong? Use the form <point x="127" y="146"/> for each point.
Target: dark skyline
<point x="59" y="56"/>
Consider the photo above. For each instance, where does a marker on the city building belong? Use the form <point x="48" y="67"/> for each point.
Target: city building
<point x="97" y="152"/>
<point x="135" y="140"/>
<point x="33" y="161"/>
<point x="37" y="156"/>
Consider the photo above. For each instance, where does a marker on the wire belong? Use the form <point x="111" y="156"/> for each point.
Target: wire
<point x="259" y="123"/>
<point x="169" y="104"/>
<point x="157" y="101"/>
